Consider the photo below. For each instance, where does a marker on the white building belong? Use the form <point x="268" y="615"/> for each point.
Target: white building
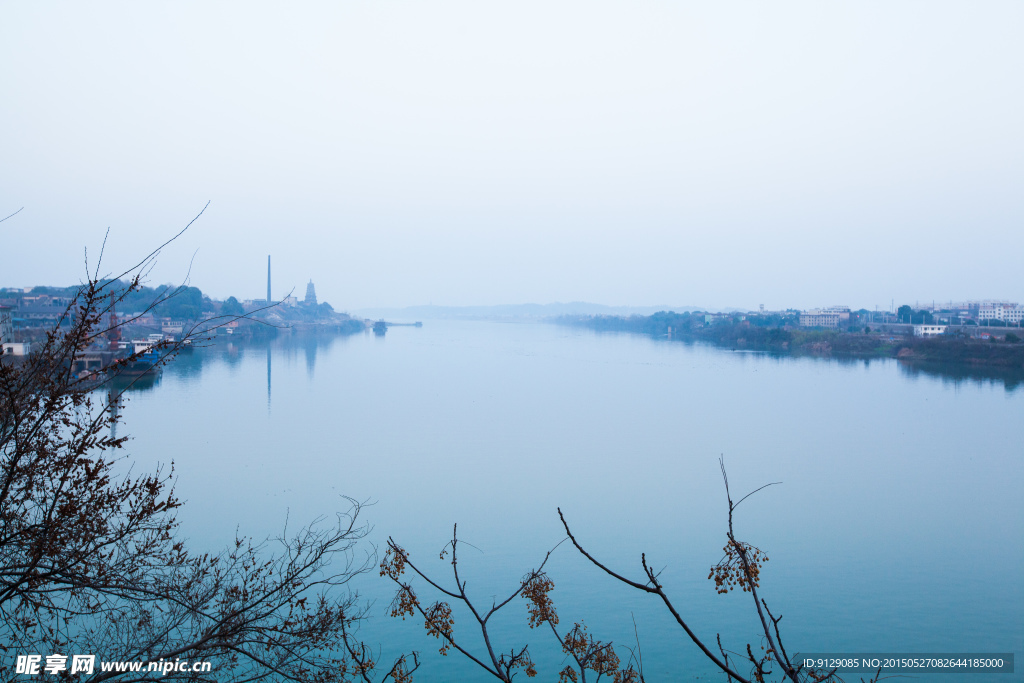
<point x="1007" y="313"/>
<point x="15" y="348"/>
<point x="830" y="317"/>
<point x="929" y="330"/>
<point x="8" y="346"/>
<point x="819" y="318"/>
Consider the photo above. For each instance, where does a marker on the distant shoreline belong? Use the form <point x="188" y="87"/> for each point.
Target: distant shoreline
<point x="741" y="334"/>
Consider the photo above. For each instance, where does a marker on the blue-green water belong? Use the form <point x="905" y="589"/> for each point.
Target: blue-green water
<point x="898" y="526"/>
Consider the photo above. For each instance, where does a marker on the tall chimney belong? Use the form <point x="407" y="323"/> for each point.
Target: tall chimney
<point x="268" y="278"/>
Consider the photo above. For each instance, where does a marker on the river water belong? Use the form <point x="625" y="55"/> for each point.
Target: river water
<point x="897" y="526"/>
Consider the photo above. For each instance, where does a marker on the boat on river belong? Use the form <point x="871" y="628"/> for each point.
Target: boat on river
<point x="148" y="362"/>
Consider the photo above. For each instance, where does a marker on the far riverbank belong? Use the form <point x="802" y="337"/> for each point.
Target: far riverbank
<point x="1002" y="350"/>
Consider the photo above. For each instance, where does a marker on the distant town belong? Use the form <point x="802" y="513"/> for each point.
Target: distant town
<point x="27" y="314"/>
<point x="971" y="333"/>
<point x="923" y="321"/>
<point x="151" y="315"/>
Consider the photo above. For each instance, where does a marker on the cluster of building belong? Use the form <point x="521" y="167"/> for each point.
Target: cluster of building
<point x="23" y="313"/>
<point x="21" y="316"/>
<point x="1010" y="313"/>
<point x="935" y="319"/>
<point x="20" y="309"/>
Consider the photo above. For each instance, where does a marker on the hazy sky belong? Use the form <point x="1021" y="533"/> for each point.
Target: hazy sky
<point x="398" y="153"/>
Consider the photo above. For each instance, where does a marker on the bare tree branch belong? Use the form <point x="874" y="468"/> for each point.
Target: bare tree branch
<point x="89" y="555"/>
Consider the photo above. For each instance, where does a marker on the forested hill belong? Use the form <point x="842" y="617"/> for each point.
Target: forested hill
<point x="187" y="303"/>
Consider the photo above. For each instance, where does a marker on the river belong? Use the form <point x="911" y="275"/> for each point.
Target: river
<point x="897" y="525"/>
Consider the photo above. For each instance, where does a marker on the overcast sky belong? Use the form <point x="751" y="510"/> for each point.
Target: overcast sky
<point x="398" y="153"/>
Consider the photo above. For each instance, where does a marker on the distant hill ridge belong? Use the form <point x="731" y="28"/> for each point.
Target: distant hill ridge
<point x="513" y="311"/>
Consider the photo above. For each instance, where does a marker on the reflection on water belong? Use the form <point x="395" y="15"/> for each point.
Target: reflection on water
<point x="230" y="351"/>
<point x="309" y="344"/>
<point x="890" y="532"/>
<point x="956" y="374"/>
<point x="126" y="383"/>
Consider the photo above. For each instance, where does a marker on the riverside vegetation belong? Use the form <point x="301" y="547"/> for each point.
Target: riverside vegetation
<point x="777" y="334"/>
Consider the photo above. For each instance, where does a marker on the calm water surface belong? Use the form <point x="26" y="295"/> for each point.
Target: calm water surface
<point x="898" y="526"/>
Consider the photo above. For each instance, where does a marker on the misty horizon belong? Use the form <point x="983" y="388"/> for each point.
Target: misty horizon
<point x="793" y="156"/>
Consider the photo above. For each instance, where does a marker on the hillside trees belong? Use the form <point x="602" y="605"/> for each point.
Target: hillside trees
<point x="231" y="306"/>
